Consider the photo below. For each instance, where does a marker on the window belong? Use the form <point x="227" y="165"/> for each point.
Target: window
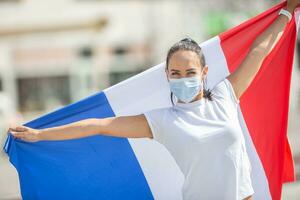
<point x="116" y="77"/>
<point x="10" y="1"/>
<point x="1" y="86"/>
<point x="42" y="93"/>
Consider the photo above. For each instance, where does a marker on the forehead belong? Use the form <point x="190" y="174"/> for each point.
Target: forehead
<point x="183" y="59"/>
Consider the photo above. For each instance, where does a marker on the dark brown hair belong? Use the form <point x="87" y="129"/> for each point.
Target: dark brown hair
<point x="190" y="45"/>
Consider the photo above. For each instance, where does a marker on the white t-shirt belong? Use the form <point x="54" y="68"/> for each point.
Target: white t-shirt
<point x="207" y="143"/>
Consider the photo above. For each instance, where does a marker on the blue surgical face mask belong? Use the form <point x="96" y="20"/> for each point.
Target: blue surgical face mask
<point x="186" y="89"/>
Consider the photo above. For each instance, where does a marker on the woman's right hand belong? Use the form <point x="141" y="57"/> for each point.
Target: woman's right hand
<point x="292" y="4"/>
<point x="135" y="126"/>
<point x="25" y="133"/>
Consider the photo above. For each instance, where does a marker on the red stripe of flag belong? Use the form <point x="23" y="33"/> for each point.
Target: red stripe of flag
<point x="265" y="104"/>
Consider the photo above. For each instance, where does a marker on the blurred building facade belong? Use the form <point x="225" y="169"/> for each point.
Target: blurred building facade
<point x="55" y="52"/>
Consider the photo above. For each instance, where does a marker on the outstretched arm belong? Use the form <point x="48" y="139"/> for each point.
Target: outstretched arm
<point x="242" y="77"/>
<point x="135" y="126"/>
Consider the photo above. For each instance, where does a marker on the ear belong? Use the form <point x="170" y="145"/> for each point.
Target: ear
<point x="204" y="72"/>
<point x="166" y="71"/>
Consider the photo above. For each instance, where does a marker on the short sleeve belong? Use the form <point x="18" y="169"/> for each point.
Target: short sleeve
<point x="224" y="90"/>
<point x="155" y="119"/>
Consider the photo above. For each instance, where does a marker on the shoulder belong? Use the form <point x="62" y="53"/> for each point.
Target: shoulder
<point x="223" y="89"/>
<point x="157" y="113"/>
<point x="156" y="121"/>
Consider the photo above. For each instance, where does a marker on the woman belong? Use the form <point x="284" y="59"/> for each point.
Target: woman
<point x="201" y="130"/>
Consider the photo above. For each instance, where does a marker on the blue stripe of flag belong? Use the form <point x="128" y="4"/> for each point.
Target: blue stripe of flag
<point x="90" y="168"/>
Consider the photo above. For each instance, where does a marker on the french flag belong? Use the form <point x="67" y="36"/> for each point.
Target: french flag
<point x="106" y="167"/>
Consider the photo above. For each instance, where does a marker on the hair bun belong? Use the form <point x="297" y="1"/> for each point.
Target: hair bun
<point x="188" y="39"/>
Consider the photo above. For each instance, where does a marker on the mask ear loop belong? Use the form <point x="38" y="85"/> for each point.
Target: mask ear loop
<point x="204" y="86"/>
<point x="173" y="96"/>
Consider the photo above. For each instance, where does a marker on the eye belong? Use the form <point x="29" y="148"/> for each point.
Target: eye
<point x="191" y="73"/>
<point x="174" y="73"/>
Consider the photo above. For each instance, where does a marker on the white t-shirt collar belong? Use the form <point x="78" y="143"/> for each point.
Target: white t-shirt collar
<point x="190" y="104"/>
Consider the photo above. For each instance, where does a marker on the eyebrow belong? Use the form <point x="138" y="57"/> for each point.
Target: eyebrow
<point x="191" y="69"/>
<point x="175" y="70"/>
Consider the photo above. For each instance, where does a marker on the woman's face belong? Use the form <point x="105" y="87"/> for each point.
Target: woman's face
<point x="184" y="63"/>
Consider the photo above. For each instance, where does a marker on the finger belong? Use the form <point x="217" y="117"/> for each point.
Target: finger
<point x="18" y="129"/>
<point x="17" y="134"/>
<point x="13" y="128"/>
<point x="21" y="128"/>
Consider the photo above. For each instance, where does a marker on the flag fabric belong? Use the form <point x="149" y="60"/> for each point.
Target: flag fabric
<point x="106" y="167"/>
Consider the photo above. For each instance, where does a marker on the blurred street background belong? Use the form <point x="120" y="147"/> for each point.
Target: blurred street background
<point x="56" y="52"/>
